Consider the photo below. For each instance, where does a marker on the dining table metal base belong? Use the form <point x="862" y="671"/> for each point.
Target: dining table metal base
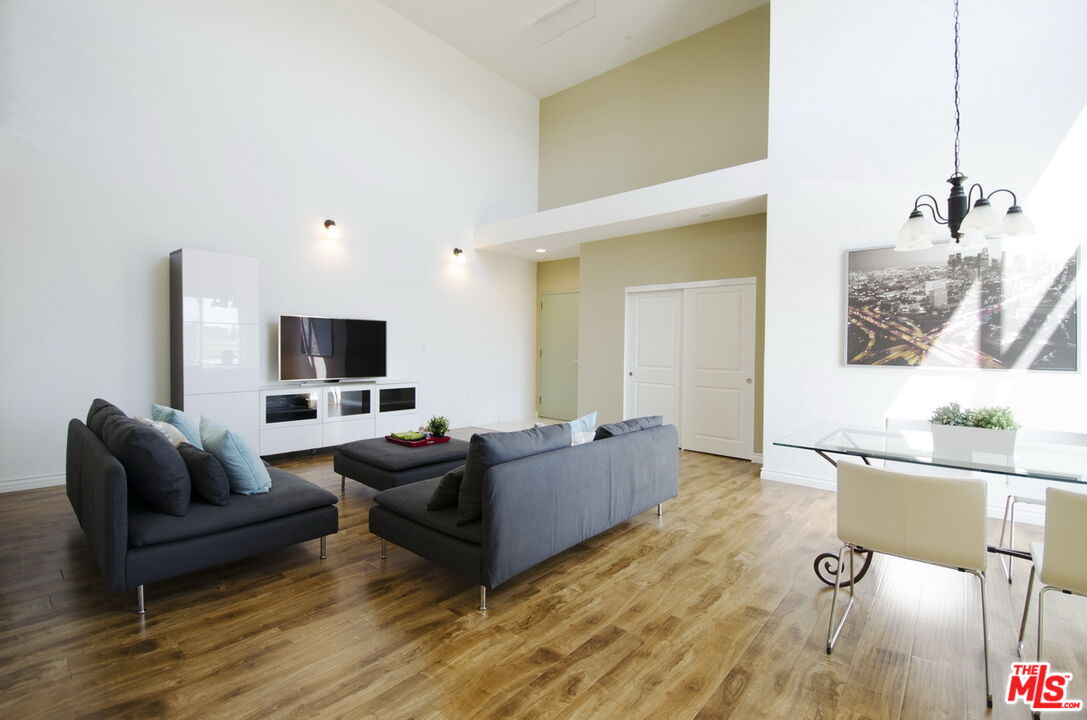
<point x="826" y="564"/>
<point x="826" y="568"/>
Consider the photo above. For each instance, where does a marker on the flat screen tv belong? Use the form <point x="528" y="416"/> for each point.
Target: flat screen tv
<point x="319" y="348"/>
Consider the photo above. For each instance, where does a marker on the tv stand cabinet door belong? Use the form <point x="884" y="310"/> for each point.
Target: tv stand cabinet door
<point x="275" y="440"/>
<point x="339" y="433"/>
<point x="388" y="423"/>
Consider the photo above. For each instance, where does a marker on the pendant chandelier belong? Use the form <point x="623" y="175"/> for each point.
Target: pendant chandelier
<point x="969" y="227"/>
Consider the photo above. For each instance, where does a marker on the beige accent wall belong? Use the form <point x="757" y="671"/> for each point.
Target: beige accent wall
<point x="558" y="275"/>
<point x="553" y="276"/>
<point x="696" y="105"/>
<point x="711" y="251"/>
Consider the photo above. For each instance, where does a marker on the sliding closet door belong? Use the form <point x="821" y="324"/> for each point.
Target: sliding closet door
<point x="718" y="370"/>
<point x="653" y="366"/>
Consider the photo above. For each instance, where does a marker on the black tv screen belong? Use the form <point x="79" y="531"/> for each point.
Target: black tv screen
<point x="317" y="348"/>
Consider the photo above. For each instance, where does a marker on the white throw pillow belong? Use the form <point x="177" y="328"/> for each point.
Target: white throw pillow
<point x="580" y="438"/>
<point x="585" y="423"/>
<point x="172" y="434"/>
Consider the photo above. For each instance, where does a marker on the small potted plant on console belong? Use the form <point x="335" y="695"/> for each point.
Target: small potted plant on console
<point x="961" y="432"/>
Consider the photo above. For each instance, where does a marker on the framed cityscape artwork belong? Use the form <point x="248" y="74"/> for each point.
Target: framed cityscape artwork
<point x="999" y="308"/>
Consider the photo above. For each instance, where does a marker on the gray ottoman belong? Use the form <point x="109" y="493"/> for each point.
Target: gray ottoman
<point x="381" y="464"/>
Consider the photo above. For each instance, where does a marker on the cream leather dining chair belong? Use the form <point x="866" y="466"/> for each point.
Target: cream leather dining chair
<point x="1029" y="492"/>
<point x="1058" y="561"/>
<point x="940" y="521"/>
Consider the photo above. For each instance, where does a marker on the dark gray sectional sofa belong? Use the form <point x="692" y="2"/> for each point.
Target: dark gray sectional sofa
<point x="134" y="544"/>
<point x="534" y="507"/>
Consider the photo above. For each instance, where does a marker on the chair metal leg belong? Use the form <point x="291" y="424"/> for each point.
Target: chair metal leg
<point x="482" y="597"/>
<point x="140" y="609"/>
<point x="324" y="546"/>
<point x="1011" y="537"/>
<point x="832" y="631"/>
<point x="660" y="509"/>
<point x="343" y="483"/>
<point x="1026" y="609"/>
<point x="1041" y="608"/>
<point x="384" y="549"/>
<point x="1005" y="562"/>
<point x="985" y="638"/>
<point x="1041" y="613"/>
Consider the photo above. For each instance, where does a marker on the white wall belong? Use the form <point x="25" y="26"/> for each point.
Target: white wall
<point x="860" y="124"/>
<point x="129" y="129"/>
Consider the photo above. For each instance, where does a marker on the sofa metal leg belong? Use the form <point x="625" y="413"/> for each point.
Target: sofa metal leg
<point x="384" y="549"/>
<point x="140" y="609"/>
<point x="324" y="546"/>
<point x="482" y="597"/>
<point x="660" y="509"/>
<point x="343" y="483"/>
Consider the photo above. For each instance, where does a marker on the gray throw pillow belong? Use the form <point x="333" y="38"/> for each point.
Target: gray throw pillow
<point x="489" y="449"/>
<point x="153" y="467"/>
<point x="208" y="476"/>
<point x="628" y="426"/>
<point x="446" y="492"/>
<point x="100" y="410"/>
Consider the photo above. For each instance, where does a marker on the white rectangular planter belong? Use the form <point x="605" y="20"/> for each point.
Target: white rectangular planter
<point x="956" y="441"/>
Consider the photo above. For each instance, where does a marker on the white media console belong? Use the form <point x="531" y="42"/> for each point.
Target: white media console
<point x="316" y="415"/>
<point x="215" y="366"/>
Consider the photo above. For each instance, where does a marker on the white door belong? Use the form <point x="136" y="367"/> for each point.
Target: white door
<point x="558" y="355"/>
<point x="719" y="370"/>
<point x="654" y="337"/>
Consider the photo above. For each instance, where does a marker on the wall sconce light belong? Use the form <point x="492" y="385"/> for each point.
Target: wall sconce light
<point x="330" y="228"/>
<point x="458" y="255"/>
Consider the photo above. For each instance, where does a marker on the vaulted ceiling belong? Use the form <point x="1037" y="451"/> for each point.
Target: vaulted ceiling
<point x="544" y="46"/>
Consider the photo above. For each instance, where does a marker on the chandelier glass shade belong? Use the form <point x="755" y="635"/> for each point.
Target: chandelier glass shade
<point x="970" y="222"/>
<point x="918" y="232"/>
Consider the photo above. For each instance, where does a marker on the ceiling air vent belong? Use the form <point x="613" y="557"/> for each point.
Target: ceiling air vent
<point x="563" y="18"/>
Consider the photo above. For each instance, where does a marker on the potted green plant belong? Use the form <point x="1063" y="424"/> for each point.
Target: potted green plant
<point x="959" y="432"/>
<point x="438" y="426"/>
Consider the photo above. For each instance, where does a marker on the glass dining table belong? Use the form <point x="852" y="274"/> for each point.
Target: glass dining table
<point x="1038" y="458"/>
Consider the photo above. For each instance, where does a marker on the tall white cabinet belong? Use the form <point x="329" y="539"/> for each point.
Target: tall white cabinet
<point x="215" y="338"/>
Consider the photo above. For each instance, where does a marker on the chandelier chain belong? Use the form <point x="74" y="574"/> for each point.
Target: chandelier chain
<point x="956" y="87"/>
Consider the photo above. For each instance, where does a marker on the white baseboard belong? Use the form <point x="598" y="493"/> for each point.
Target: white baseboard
<point x="30" y="483"/>
<point x="756" y="458"/>
<point x="797" y="479"/>
<point x="488" y="422"/>
<point x="1024" y="513"/>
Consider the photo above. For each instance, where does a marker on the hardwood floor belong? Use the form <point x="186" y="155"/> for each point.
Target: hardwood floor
<point x="709" y="612"/>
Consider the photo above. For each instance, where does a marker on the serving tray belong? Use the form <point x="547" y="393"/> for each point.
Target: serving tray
<point x="418" y="443"/>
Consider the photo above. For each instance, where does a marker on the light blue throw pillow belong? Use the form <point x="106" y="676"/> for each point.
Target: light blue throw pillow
<point x="585" y="423"/>
<point x="187" y="424"/>
<point x="244" y="469"/>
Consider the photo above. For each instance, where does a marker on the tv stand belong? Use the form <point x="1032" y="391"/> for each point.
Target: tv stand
<point x="315" y="415"/>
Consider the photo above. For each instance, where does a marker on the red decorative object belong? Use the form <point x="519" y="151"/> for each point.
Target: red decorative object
<point x="419" y="443"/>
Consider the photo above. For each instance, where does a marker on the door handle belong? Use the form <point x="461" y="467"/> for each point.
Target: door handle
<point x="749" y="381"/>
